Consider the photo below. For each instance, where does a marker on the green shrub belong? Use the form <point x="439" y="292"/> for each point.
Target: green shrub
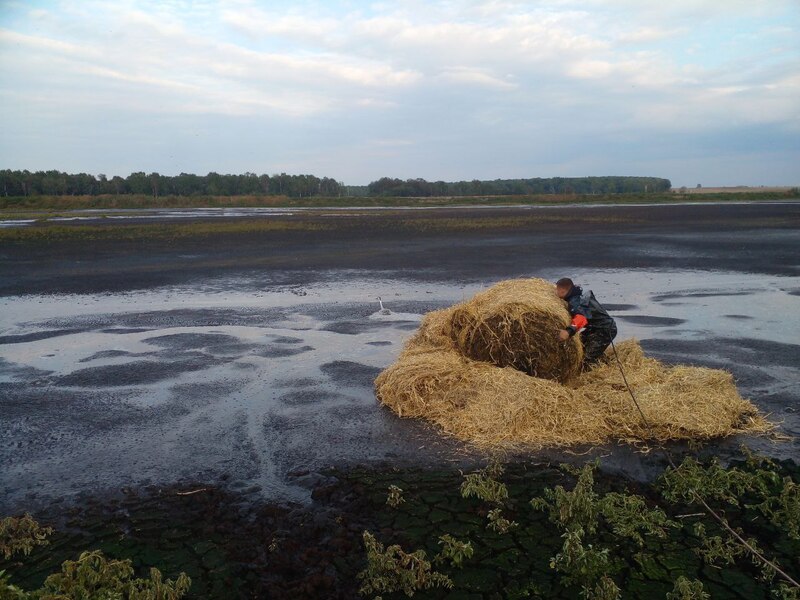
<point x="483" y="484"/>
<point x="498" y="523"/>
<point x="91" y="577"/>
<point x="21" y="534"/>
<point x="392" y="570"/>
<point x="454" y="550"/>
<point x="685" y="589"/>
<point x="395" y="496"/>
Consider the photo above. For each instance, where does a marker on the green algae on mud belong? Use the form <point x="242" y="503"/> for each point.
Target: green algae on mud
<point x="47" y="232"/>
<point x="351" y="221"/>
<point x="44" y="231"/>
<point x="141" y="201"/>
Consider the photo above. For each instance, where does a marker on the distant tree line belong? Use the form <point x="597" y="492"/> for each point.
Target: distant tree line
<point x="56" y="183"/>
<point x="516" y="187"/>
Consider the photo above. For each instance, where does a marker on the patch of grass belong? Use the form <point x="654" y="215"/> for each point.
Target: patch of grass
<point x="356" y="218"/>
<point x="157" y="231"/>
<point x="44" y="231"/>
<point x="133" y="201"/>
<point x="137" y="201"/>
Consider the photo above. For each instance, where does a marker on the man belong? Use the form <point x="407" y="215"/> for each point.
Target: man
<point x="587" y="315"/>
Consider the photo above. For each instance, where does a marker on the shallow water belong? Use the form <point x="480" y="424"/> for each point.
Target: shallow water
<point x="263" y="384"/>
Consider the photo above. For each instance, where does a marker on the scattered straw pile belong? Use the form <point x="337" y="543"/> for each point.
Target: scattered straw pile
<point x="454" y="373"/>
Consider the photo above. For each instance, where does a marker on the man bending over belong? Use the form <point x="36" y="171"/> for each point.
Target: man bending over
<point x="598" y="328"/>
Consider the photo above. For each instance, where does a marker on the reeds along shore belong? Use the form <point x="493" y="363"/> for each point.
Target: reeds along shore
<point x="491" y="372"/>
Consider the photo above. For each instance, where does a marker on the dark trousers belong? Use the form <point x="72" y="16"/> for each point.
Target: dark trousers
<point x="595" y="341"/>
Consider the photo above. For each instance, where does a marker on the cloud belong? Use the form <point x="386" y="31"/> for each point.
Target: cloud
<point x="259" y="23"/>
<point x="523" y="39"/>
<point x="477" y="77"/>
<point x="439" y="74"/>
<point x="649" y="34"/>
<point x="13" y="40"/>
<point x="392" y="142"/>
<point x="202" y="74"/>
<point x="590" y="69"/>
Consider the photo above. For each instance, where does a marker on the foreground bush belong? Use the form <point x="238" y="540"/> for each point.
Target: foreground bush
<point x="91" y="577"/>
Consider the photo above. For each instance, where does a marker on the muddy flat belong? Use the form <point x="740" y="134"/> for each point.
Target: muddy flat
<point x="246" y="356"/>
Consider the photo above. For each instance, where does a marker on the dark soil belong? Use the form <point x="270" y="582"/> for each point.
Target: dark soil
<point x="229" y="537"/>
<point x="234" y="546"/>
<point x="439" y="244"/>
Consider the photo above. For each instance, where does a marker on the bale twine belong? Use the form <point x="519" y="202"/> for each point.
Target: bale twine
<point x="489" y="402"/>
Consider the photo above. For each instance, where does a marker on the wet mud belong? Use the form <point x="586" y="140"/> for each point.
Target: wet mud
<point x="424" y="245"/>
<point x="147" y="365"/>
<point x="242" y="366"/>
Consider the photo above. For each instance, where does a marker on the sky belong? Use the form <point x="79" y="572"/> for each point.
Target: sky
<point x="697" y="91"/>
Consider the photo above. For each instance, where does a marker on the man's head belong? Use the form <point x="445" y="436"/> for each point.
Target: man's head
<point x="564" y="287"/>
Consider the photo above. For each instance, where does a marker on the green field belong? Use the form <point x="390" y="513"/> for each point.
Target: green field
<point x="25" y="205"/>
<point x="46" y="231"/>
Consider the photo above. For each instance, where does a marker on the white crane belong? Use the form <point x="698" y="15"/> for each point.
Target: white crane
<point x="383" y="311"/>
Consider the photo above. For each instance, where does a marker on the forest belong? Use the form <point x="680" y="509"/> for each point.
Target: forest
<point x="57" y="183"/>
<point x="519" y="187"/>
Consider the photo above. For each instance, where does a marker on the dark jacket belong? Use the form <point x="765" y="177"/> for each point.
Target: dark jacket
<point x="587" y="312"/>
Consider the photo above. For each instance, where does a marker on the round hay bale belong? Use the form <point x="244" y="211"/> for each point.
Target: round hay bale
<point x="515" y="323"/>
<point x="434" y="330"/>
